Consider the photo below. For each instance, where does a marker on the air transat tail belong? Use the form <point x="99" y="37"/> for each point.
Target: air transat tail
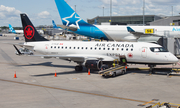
<point x="30" y="32"/>
<point x="72" y="21"/>
<point x="11" y="29"/>
<point x="54" y="25"/>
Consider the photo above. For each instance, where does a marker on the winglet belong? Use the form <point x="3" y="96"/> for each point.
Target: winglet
<point x="130" y="29"/>
<point x="17" y="50"/>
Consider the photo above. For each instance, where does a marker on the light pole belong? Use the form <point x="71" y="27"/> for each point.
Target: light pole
<point x="172" y="10"/>
<point x="75" y="8"/>
<point x="110" y="10"/>
<point x="143" y="12"/>
<point x="103" y="11"/>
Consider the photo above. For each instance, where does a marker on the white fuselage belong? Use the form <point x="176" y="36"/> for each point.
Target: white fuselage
<point x="22" y="32"/>
<point x="135" y="52"/>
<point x="19" y="31"/>
<point x="120" y="33"/>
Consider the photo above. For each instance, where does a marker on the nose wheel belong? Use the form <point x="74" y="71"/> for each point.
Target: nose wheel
<point x="151" y="70"/>
<point x="78" y="68"/>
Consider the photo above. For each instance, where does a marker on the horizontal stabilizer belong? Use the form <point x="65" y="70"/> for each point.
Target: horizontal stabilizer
<point x="72" y="28"/>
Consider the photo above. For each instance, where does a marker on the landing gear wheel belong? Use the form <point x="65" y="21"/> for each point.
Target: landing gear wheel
<point x="123" y="72"/>
<point x="114" y="74"/>
<point x="78" y="68"/>
<point x="102" y="39"/>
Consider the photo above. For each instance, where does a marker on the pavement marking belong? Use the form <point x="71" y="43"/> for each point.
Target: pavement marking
<point x="148" y="102"/>
<point x="75" y="91"/>
<point x="114" y="97"/>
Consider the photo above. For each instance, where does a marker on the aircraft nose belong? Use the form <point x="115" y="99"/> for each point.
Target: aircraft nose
<point x="173" y="59"/>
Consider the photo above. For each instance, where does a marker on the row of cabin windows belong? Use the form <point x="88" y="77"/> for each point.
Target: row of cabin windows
<point x="90" y="48"/>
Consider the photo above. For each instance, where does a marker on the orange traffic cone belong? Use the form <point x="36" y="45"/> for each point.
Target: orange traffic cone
<point x="15" y="75"/>
<point x="55" y="75"/>
<point x="89" y="72"/>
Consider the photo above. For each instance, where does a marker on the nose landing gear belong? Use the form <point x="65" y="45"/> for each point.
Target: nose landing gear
<point x="151" y="70"/>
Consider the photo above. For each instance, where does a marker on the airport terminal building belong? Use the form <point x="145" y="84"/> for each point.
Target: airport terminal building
<point x="124" y="20"/>
<point x="152" y="20"/>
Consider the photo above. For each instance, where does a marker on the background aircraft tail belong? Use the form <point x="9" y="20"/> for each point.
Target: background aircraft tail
<point x="11" y="29"/>
<point x="30" y="32"/>
<point x="54" y="25"/>
<point x="68" y="16"/>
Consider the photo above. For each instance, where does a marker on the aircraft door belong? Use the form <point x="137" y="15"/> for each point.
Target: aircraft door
<point x="144" y="52"/>
<point x="46" y="48"/>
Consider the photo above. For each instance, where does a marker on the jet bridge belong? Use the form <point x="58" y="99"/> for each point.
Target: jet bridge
<point x="171" y="43"/>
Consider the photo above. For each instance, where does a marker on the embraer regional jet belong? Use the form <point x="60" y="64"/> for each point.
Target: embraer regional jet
<point x="73" y="22"/>
<point x="94" y="53"/>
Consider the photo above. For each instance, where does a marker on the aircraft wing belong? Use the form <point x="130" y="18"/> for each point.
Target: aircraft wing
<point x="23" y="45"/>
<point x="20" y="44"/>
<point x="139" y="34"/>
<point x="78" y="57"/>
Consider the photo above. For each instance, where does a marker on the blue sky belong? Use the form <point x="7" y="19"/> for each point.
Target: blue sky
<point x="41" y="12"/>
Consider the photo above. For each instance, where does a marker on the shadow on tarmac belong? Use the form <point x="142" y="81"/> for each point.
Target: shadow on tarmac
<point x="48" y="64"/>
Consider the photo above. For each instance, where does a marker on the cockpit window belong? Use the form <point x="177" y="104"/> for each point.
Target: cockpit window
<point x="158" y="49"/>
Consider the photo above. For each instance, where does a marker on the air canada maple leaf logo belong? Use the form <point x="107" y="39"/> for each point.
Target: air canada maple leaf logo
<point x="29" y="32"/>
<point x="130" y="55"/>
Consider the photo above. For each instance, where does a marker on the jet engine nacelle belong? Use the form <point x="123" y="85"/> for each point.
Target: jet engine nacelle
<point x="73" y="27"/>
<point x="93" y="64"/>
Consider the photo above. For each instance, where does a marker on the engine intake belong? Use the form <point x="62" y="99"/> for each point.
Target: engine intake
<point x="93" y="64"/>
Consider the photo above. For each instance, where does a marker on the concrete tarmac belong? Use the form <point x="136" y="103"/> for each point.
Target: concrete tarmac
<point x="36" y="86"/>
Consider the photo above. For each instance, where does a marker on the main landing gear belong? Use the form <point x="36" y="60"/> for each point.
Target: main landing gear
<point x="79" y="68"/>
<point x="151" y="70"/>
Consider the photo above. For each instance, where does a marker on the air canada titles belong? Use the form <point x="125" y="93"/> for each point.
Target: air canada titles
<point x="114" y="45"/>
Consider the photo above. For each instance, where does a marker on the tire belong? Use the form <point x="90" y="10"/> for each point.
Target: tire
<point x="123" y="72"/>
<point x="114" y="74"/>
<point x="78" y="68"/>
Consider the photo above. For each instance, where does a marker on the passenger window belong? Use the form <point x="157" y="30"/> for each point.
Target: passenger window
<point x="117" y="48"/>
<point x="95" y="48"/>
<point x="112" y="48"/>
<point x="74" y="47"/>
<point x="54" y="46"/>
<point x="62" y="47"/>
<point x="127" y="49"/>
<point x="51" y="46"/>
<point x="131" y="49"/>
<point x="69" y="47"/>
<point x="66" y="47"/>
<point x="86" y="47"/>
<point x="78" y="47"/>
<point x="104" y="48"/>
<point x="99" y="48"/>
<point x="82" y="48"/>
<point x="108" y="48"/>
<point x="122" y="49"/>
<point x="91" y="48"/>
<point x="58" y="47"/>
